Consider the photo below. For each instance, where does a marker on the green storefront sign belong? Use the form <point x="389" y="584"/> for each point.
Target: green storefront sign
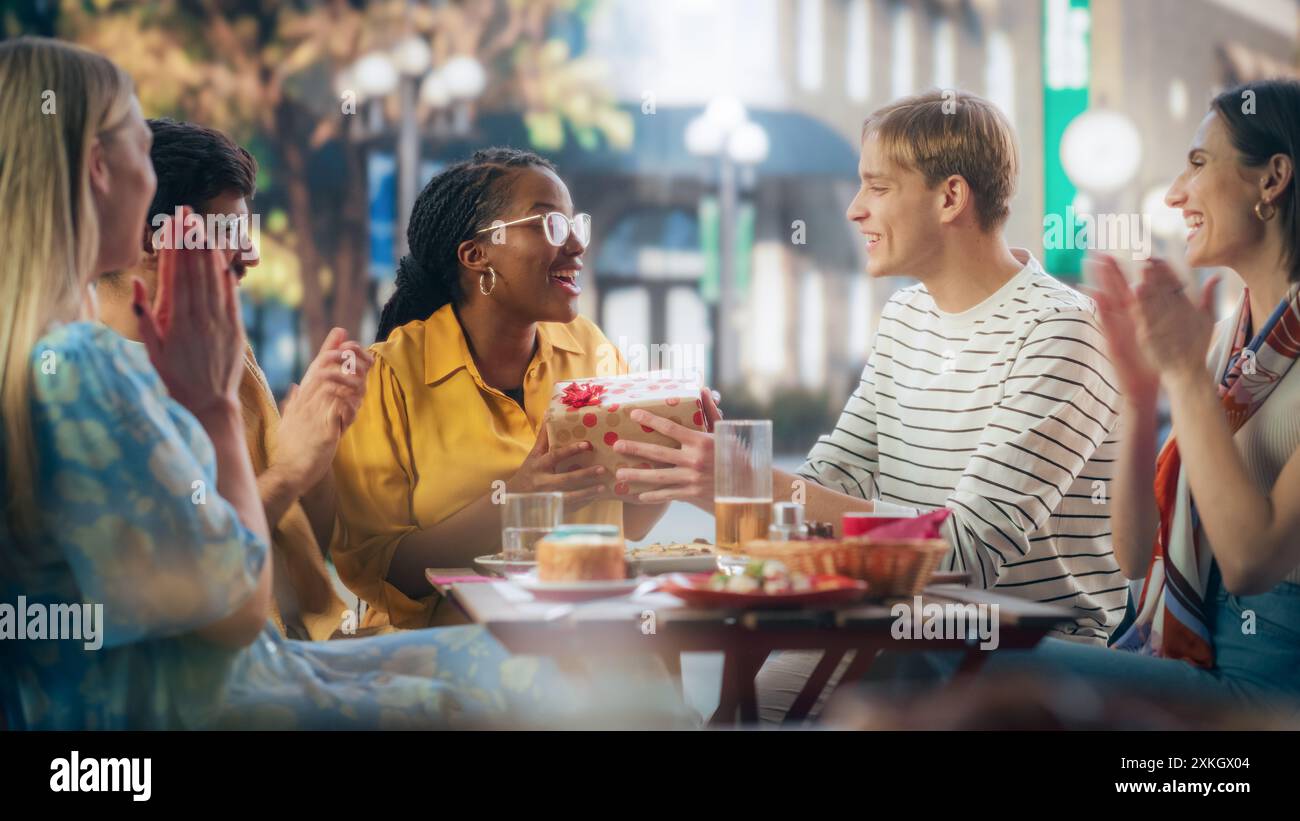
<point x="1067" y="71"/>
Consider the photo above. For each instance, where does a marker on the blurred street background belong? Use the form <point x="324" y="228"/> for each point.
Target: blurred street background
<point x="713" y="141"/>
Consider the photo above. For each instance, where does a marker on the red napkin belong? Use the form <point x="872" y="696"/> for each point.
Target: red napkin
<point x="926" y="526"/>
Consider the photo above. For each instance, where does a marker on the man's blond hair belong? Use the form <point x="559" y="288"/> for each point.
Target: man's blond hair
<point x="939" y="133"/>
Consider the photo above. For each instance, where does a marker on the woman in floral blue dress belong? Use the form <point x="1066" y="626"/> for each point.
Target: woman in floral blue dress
<point x="122" y="466"/>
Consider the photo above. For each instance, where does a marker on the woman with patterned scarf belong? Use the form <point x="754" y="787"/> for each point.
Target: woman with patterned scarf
<point x="1218" y="541"/>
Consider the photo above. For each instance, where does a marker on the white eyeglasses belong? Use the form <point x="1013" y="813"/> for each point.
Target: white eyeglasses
<point x="555" y="225"/>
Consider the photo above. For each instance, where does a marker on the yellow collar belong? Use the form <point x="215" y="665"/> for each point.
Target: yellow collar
<point x="447" y="351"/>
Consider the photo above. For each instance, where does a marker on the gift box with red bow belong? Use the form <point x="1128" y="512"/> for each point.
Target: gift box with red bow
<point x="598" y="410"/>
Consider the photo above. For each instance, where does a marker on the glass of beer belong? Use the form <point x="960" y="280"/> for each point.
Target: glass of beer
<point x="742" y="487"/>
<point x="526" y="518"/>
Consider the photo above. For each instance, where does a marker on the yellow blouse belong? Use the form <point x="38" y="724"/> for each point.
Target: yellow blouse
<point x="432" y="436"/>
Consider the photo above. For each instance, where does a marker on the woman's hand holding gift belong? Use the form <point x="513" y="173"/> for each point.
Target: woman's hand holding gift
<point x="538" y="474"/>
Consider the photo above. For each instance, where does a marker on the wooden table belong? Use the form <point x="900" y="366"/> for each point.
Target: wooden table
<point x="660" y="624"/>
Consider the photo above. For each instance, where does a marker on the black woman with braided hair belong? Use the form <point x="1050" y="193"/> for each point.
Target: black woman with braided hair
<point x="483" y="322"/>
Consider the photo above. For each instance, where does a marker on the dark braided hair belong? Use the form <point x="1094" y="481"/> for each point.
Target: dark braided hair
<point x="454" y="205"/>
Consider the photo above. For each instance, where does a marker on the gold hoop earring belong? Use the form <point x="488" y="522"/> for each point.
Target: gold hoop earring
<point x="488" y="290"/>
<point x="1259" y="210"/>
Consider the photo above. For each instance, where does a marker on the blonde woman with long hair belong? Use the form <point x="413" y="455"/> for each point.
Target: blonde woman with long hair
<point x="75" y="181"/>
<point x="133" y="551"/>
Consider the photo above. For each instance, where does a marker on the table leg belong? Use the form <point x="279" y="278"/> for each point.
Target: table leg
<point x="862" y="660"/>
<point x="752" y="662"/>
<point x="729" y="697"/>
<point x="738" y="670"/>
<point x="813" y="688"/>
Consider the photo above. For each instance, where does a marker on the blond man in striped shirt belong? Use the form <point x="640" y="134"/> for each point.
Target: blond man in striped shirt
<point x="987" y="390"/>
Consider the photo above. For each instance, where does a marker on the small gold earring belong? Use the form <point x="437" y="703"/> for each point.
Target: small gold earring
<point x="489" y="289"/>
<point x="1259" y="210"/>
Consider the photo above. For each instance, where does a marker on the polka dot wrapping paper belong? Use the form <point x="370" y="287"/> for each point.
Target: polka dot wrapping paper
<point x="598" y="410"/>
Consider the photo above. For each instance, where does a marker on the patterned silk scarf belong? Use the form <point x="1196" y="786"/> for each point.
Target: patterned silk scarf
<point x="1172" y="619"/>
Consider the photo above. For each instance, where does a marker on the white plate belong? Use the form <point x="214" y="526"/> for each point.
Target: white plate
<point x="652" y="565"/>
<point x="498" y="566"/>
<point x="576" y="591"/>
<point x="638" y="565"/>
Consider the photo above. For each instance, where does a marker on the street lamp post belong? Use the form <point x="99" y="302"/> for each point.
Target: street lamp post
<point x="1101" y="152"/>
<point x="408" y="161"/>
<point x="407" y="70"/>
<point x="728" y="360"/>
<point x="412" y="57"/>
<point x="725" y="132"/>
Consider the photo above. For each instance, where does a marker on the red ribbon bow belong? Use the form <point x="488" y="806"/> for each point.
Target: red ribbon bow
<point x="582" y="394"/>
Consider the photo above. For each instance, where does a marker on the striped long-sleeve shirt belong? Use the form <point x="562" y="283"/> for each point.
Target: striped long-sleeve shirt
<point x="1005" y="415"/>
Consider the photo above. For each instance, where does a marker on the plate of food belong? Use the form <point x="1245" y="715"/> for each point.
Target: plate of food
<point x="672" y="557"/>
<point x="763" y="584"/>
<point x="572" y="590"/>
<point x="498" y="565"/>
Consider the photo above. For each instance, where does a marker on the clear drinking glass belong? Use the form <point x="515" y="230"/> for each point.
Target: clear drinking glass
<point x="525" y="518"/>
<point x="742" y="488"/>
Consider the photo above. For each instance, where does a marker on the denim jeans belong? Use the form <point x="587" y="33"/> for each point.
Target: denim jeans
<point x="1256" y="648"/>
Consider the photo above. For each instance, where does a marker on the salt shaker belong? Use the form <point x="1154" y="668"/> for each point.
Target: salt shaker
<point x="787" y="523"/>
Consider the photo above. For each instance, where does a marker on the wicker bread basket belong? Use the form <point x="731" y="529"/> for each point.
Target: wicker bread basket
<point x="897" y="567"/>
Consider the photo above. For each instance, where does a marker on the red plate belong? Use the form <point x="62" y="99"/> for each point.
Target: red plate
<point x="828" y="591"/>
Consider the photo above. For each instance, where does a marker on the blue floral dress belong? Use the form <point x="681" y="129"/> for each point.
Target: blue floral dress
<point x="126" y="484"/>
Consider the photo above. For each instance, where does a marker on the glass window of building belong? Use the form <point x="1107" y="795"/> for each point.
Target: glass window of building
<point x="902" y="54"/>
<point x="857" y="47"/>
<point x="811" y="47"/>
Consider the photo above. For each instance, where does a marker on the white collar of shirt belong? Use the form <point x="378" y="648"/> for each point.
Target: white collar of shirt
<point x="995" y="300"/>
